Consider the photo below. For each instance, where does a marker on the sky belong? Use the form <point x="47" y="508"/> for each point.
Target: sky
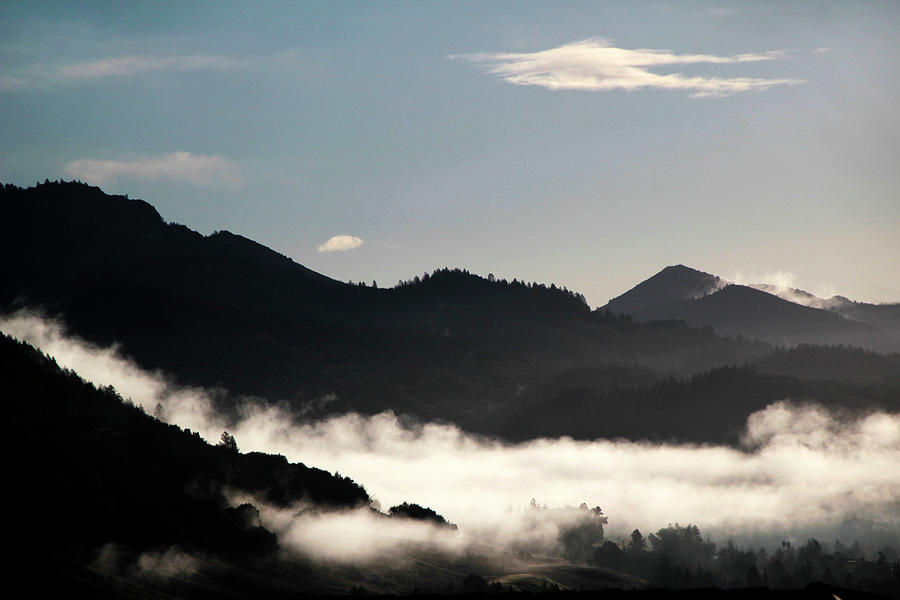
<point x="583" y="144"/>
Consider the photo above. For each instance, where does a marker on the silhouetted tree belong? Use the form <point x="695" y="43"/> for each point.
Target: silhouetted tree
<point x="227" y="441"/>
<point x="637" y="542"/>
<point x="609" y="555"/>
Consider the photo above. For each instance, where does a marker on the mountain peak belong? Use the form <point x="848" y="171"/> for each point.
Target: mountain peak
<point x="680" y="268"/>
<point x="672" y="284"/>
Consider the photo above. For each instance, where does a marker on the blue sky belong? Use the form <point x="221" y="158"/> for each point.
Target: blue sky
<point x="584" y="144"/>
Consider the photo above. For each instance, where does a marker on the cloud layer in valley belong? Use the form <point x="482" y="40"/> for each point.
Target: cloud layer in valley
<point x="596" y="65"/>
<point x="341" y="243"/>
<point x="197" y="169"/>
<point x="802" y="470"/>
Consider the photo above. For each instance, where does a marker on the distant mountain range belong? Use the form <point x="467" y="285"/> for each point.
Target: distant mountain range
<point x="224" y="312"/>
<point x="883" y="316"/>
<point x="783" y="316"/>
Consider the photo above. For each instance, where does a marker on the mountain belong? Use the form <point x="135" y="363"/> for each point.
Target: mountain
<point x="672" y="284"/>
<point x="699" y="298"/>
<point x="802" y="297"/>
<point x="222" y="311"/>
<point x="882" y="316"/>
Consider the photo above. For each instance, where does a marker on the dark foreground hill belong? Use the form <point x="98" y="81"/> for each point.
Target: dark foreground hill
<point x="223" y="311"/>
<point x="101" y="487"/>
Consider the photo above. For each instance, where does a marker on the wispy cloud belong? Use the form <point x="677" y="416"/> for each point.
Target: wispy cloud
<point x="132" y="65"/>
<point x="341" y="243"/>
<point x="596" y="65"/>
<point x="787" y="285"/>
<point x="198" y="169"/>
<point x="122" y="66"/>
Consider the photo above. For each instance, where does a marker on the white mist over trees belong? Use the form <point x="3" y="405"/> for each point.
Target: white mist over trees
<point x="802" y="471"/>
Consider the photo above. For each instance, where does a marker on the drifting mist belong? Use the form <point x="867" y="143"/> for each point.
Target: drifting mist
<point x="801" y="471"/>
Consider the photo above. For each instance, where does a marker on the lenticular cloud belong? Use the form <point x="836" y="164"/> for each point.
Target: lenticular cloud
<point x="596" y="65"/>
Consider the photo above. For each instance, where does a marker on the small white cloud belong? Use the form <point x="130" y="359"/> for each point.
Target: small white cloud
<point x="823" y="50"/>
<point x="341" y="243"/>
<point x="198" y="169"/>
<point x="597" y="66"/>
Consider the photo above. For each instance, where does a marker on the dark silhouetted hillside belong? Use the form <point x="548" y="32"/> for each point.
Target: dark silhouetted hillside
<point x="92" y="471"/>
<point x="884" y="316"/>
<point x="833" y="363"/>
<point x="223" y="311"/>
<point x="126" y="476"/>
<point x="708" y="407"/>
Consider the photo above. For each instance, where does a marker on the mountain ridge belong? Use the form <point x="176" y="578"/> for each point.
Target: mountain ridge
<point x="225" y="312"/>
<point x="756" y="311"/>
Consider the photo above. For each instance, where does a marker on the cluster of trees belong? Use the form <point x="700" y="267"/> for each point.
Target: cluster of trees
<point x="419" y="513"/>
<point x="445" y="275"/>
<point x="579" y="529"/>
<point x="679" y="557"/>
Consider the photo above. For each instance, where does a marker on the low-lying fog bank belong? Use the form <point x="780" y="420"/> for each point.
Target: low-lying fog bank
<point x="802" y="471"/>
